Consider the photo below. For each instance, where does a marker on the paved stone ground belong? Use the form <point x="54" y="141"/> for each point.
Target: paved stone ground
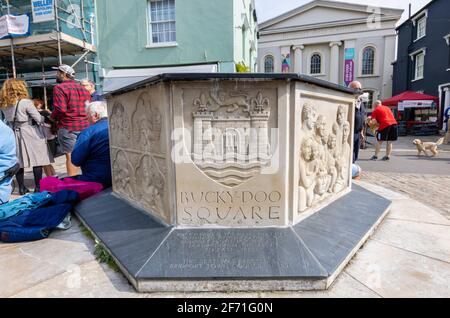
<point x="425" y="179"/>
<point x="408" y="256"/>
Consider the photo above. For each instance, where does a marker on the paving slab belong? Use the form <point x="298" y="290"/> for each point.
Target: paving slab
<point x="426" y="239"/>
<point x="393" y="272"/>
<point x="90" y="280"/>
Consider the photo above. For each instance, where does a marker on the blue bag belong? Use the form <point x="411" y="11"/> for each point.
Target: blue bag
<point x="32" y="225"/>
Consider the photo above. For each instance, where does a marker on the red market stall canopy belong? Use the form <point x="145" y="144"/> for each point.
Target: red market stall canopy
<point x="409" y="96"/>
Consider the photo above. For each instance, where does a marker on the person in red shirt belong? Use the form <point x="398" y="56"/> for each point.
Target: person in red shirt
<point x="69" y="113"/>
<point x="387" y="131"/>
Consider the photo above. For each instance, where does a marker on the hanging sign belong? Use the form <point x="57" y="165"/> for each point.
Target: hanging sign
<point x="349" y="71"/>
<point x="14" y="26"/>
<point x="43" y="10"/>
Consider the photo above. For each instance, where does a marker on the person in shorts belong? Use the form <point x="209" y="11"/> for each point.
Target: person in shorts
<point x="69" y="101"/>
<point x="387" y="131"/>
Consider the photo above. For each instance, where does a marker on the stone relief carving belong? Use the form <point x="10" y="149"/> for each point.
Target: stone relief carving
<point x="324" y="156"/>
<point x="147" y="124"/>
<point x="119" y="126"/>
<point x="150" y="184"/>
<point x="231" y="135"/>
<point x="122" y="174"/>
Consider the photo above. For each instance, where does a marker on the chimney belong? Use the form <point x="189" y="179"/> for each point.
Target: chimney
<point x="410" y="10"/>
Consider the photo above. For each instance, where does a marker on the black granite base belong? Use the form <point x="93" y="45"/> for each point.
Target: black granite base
<point x="309" y="255"/>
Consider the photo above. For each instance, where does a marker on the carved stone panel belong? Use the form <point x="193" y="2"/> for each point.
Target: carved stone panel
<point x="325" y="151"/>
<point x="139" y="149"/>
<point x="231" y="174"/>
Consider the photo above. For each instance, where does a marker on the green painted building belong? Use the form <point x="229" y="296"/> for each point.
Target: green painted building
<point x="138" y="38"/>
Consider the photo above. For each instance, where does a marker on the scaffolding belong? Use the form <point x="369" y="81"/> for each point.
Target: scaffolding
<point x="71" y="33"/>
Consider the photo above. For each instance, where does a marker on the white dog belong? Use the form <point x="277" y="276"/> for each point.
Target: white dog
<point x="425" y="146"/>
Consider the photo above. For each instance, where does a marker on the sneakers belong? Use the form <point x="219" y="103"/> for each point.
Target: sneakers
<point x="385" y="158"/>
<point x="66" y="223"/>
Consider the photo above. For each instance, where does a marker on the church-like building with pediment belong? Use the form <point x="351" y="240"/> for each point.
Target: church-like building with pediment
<point x="334" y="41"/>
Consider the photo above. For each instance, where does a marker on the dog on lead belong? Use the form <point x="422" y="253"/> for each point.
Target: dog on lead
<point x="428" y="146"/>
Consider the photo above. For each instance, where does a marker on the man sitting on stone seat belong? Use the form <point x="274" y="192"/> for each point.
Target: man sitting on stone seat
<point x="91" y="151"/>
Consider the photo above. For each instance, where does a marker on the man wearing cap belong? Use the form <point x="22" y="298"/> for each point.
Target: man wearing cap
<point x="69" y="103"/>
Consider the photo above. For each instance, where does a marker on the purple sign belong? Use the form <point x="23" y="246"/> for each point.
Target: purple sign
<point x="349" y="71"/>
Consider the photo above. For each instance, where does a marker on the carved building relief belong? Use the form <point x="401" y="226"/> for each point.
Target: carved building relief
<point x="325" y="154"/>
<point x="139" y="159"/>
<point x="231" y="135"/>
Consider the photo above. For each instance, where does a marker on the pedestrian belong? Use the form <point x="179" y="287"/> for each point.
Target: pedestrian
<point x="91" y="151"/>
<point x="69" y="103"/>
<point x="360" y="119"/>
<point x="47" y="129"/>
<point x="90" y="87"/>
<point x="8" y="161"/>
<point x="387" y="131"/>
<point x="25" y="120"/>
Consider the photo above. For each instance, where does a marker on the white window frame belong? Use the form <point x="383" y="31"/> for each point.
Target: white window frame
<point x="264" y="62"/>
<point x="322" y="64"/>
<point x="374" y="59"/>
<point x="150" y="43"/>
<point x="422" y="19"/>
<point x="416" y="59"/>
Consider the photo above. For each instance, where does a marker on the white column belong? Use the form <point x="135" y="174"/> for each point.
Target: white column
<point x="298" y="58"/>
<point x="334" y="62"/>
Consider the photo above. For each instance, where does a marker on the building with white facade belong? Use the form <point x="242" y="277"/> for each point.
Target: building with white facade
<point x="334" y="41"/>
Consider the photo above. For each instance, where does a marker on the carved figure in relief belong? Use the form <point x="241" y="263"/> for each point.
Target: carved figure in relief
<point x="233" y="103"/>
<point x="308" y="118"/>
<point x="150" y="183"/>
<point x="338" y="126"/>
<point x="122" y="174"/>
<point x="332" y="157"/>
<point x="119" y="125"/>
<point x="321" y="136"/>
<point x="343" y="162"/>
<point x="147" y="125"/>
<point x="308" y="172"/>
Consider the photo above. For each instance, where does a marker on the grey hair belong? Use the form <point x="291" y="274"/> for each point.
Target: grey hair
<point x="378" y="103"/>
<point x="99" y="108"/>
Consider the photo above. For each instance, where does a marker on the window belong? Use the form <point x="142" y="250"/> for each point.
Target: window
<point x="420" y="64"/>
<point x="421" y="27"/>
<point x="269" y="64"/>
<point x="162" y="21"/>
<point x="316" y="64"/>
<point x="369" y="103"/>
<point x="368" y="61"/>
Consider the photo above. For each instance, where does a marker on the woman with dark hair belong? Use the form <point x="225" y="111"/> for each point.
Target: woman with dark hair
<point x="25" y="120"/>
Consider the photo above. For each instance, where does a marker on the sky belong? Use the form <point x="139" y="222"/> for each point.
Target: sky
<point x="267" y="9"/>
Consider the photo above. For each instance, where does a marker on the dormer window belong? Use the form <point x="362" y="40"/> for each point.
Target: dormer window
<point x="420" y="24"/>
<point x="421" y="27"/>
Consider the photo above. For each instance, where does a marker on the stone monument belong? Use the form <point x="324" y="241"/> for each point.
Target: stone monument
<point x="232" y="182"/>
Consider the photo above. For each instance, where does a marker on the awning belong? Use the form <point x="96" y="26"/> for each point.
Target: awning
<point x="409" y="96"/>
<point x="117" y="79"/>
